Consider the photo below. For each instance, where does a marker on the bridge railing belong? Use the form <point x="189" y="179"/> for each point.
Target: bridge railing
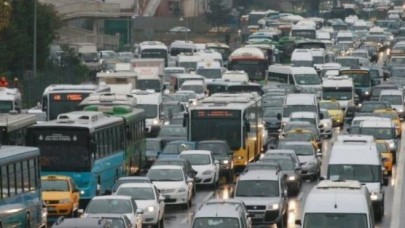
<point x="80" y="9"/>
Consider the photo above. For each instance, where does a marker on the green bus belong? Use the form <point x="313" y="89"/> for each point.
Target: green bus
<point x="20" y="190"/>
<point x="134" y="123"/>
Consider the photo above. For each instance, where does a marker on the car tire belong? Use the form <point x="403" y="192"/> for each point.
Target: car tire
<point x="283" y="221"/>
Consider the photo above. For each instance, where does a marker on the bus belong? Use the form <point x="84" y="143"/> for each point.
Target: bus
<point x="221" y="48"/>
<point x="134" y="127"/>
<point x="340" y="89"/>
<point x="20" y="198"/>
<point x="13" y="128"/>
<point x="252" y="60"/>
<point x="153" y="50"/>
<point x="304" y="31"/>
<point x="62" y="98"/>
<point x="361" y="81"/>
<point x="108" y="99"/>
<point x="232" y="118"/>
<point x="86" y="146"/>
<point x="10" y="100"/>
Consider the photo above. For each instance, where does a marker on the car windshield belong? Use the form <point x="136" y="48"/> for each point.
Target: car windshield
<point x="257" y="188"/>
<point x="392" y="99"/>
<point x="177" y="148"/>
<point x="307" y="79"/>
<point x="109" y="206"/>
<point x="297" y="136"/>
<point x="329" y="105"/>
<point x="315" y="220"/>
<point x="362" y="173"/>
<point x="370" y="107"/>
<point x="138" y="193"/>
<point x="165" y="175"/>
<point x="215" y="148"/>
<point x="153" y="145"/>
<point x="54" y="186"/>
<point x="173" y="131"/>
<point x="379" y="132"/>
<point x="299" y="108"/>
<point x="285" y="164"/>
<point x="197" y="159"/>
<point x="216" y="222"/>
<point x="271" y="112"/>
<point x="299" y="149"/>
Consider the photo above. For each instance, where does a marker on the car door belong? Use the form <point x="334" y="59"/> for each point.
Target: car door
<point x="160" y="202"/>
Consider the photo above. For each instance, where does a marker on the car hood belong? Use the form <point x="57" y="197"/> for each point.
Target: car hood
<point x="168" y="184"/>
<point x="258" y="200"/>
<point x="202" y="168"/>
<point x="373" y="187"/>
<point x="143" y="204"/>
<point x="305" y="159"/>
<point x="53" y="195"/>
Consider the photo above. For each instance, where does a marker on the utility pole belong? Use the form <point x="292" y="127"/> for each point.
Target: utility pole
<point x="34" y="54"/>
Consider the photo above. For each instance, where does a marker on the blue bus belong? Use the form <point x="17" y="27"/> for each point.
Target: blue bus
<point x="20" y="191"/>
<point x="87" y="146"/>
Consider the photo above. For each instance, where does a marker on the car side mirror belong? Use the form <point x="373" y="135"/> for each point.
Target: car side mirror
<point x="139" y="211"/>
<point x="161" y="199"/>
<point x="298" y="222"/>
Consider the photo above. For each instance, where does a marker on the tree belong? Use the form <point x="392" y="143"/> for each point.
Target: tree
<point x="16" y="38"/>
<point x="218" y="14"/>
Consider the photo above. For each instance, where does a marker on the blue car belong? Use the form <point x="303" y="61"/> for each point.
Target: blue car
<point x="174" y="148"/>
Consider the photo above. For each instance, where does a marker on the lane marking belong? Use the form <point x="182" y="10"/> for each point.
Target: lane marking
<point x="396" y="206"/>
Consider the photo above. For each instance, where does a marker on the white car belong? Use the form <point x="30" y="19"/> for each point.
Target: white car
<point x="325" y="124"/>
<point x="148" y="198"/>
<point x="205" y="164"/>
<point x="121" y="205"/>
<point x="179" y="29"/>
<point x="173" y="183"/>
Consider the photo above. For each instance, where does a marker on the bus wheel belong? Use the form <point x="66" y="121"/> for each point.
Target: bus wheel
<point x="27" y="220"/>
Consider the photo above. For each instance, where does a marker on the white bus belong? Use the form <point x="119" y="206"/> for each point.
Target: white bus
<point x="305" y="31"/>
<point x="153" y="50"/>
<point x="339" y="88"/>
<point x="181" y="46"/>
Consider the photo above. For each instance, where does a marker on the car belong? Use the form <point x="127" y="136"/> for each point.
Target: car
<point x="117" y="221"/>
<point x="308" y="156"/>
<point x="179" y="29"/>
<point x="376" y="90"/>
<point x="301" y="125"/>
<point x="63" y="222"/>
<point x="170" y="133"/>
<point x="204" y="163"/>
<point x="174" y="148"/>
<point x="388" y="159"/>
<point x="370" y="106"/>
<point x="147" y="197"/>
<point x="118" y="205"/>
<point x="335" y="112"/>
<point x="302" y="135"/>
<point x="130" y="179"/>
<point x="395" y="98"/>
<point x="61" y="196"/>
<point x="154" y="147"/>
<point x="173" y="184"/>
<point x="390" y="114"/>
<point x="325" y="124"/>
<point x="264" y="193"/>
<point x="222" y="153"/>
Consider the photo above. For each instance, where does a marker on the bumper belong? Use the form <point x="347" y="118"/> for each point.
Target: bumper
<point x="264" y="217"/>
<point x="57" y="210"/>
<point x="308" y="171"/>
<point x="175" y="198"/>
<point x="150" y="219"/>
<point x="205" y="179"/>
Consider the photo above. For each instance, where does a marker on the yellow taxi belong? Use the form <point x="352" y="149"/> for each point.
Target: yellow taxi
<point x="384" y="149"/>
<point x="334" y="110"/>
<point x="61" y="196"/>
<point x="302" y="135"/>
<point x="393" y="115"/>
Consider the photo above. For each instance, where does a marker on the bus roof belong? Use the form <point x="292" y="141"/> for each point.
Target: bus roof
<point x="16" y="121"/>
<point x="9" y="154"/>
<point x="152" y="45"/>
<point x="128" y="113"/>
<point x="109" y="99"/>
<point x="247" y="53"/>
<point x="76" y="88"/>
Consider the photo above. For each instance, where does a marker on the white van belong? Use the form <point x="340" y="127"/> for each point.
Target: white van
<point x="302" y="57"/>
<point x="358" y="159"/>
<point x="338" y="204"/>
<point x="298" y="102"/>
<point x="197" y="86"/>
<point x="151" y="103"/>
<point x="210" y="70"/>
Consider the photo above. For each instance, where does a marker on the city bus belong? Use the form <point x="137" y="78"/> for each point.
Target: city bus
<point x="20" y="191"/>
<point x="58" y="99"/>
<point x="86" y="146"/>
<point x="13" y="128"/>
<point x="252" y="60"/>
<point x="134" y="126"/>
<point x="153" y="50"/>
<point x="232" y="118"/>
<point x="361" y="81"/>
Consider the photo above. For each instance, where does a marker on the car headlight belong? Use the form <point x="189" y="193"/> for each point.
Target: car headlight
<point x="366" y="93"/>
<point x="400" y="110"/>
<point x="181" y="189"/>
<point x="155" y="122"/>
<point x="291" y="178"/>
<point x="391" y="145"/>
<point x="225" y="162"/>
<point x="239" y="157"/>
<point x="207" y="172"/>
<point x="273" y="206"/>
<point x="325" y="124"/>
<point x="65" y="201"/>
<point x="375" y="196"/>
<point x="150" y="209"/>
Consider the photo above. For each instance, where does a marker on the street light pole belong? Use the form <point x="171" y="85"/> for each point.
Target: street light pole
<point x="34" y="54"/>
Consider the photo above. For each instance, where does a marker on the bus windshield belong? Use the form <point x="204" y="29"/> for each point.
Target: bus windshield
<point x="63" y="103"/>
<point x="254" y="68"/>
<point x="6" y="106"/>
<point x="225" y="125"/>
<point x="154" y="53"/>
<point x="332" y="93"/>
<point x="63" y="149"/>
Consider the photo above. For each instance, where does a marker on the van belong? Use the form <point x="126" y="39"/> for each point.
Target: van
<point x="181" y="46"/>
<point x="151" y="102"/>
<point x="357" y="158"/>
<point x="196" y="86"/>
<point x="210" y="70"/>
<point x="302" y="57"/>
<point x="301" y="102"/>
<point x="337" y="204"/>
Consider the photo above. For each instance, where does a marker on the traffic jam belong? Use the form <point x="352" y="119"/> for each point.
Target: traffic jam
<point x="298" y="124"/>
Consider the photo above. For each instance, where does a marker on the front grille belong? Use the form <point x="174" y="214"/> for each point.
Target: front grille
<point x="170" y="200"/>
<point x="51" y="201"/>
<point x="256" y="207"/>
<point x="163" y="191"/>
<point x="270" y="216"/>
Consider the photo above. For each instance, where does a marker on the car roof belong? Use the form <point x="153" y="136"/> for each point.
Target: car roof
<point x="259" y="175"/>
<point x="166" y="167"/>
<point x="391" y="92"/>
<point x="383" y="122"/>
<point x="206" y="152"/>
<point x="140" y="185"/>
<point x="215" y="210"/>
<point x="297" y="143"/>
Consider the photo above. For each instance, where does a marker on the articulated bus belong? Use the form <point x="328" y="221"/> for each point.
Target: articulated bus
<point x="134" y="123"/>
<point x="232" y="118"/>
<point x="252" y="60"/>
<point x="13" y="128"/>
<point x="58" y="99"/>
<point x="20" y="190"/>
<point x="361" y="81"/>
<point x="86" y="146"/>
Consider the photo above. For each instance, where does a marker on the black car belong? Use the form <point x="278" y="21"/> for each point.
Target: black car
<point x="376" y="90"/>
<point x="271" y="123"/>
<point x="222" y="153"/>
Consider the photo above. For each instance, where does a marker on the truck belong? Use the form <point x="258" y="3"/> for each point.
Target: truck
<point x="87" y="52"/>
<point x="150" y="73"/>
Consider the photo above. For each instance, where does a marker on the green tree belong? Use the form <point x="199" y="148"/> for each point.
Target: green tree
<point x="16" y="38"/>
<point x="218" y="14"/>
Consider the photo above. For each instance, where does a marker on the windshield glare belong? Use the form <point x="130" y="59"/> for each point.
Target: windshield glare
<point x="138" y="193"/>
<point x="307" y="79"/>
<point x="257" y="188"/>
<point x="362" y="173"/>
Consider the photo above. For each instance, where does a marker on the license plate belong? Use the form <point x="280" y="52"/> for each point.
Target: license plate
<point x="167" y="197"/>
<point x="51" y="209"/>
<point x="259" y="215"/>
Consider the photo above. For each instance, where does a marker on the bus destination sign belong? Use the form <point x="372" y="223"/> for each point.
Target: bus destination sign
<point x="67" y="97"/>
<point x="216" y="114"/>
